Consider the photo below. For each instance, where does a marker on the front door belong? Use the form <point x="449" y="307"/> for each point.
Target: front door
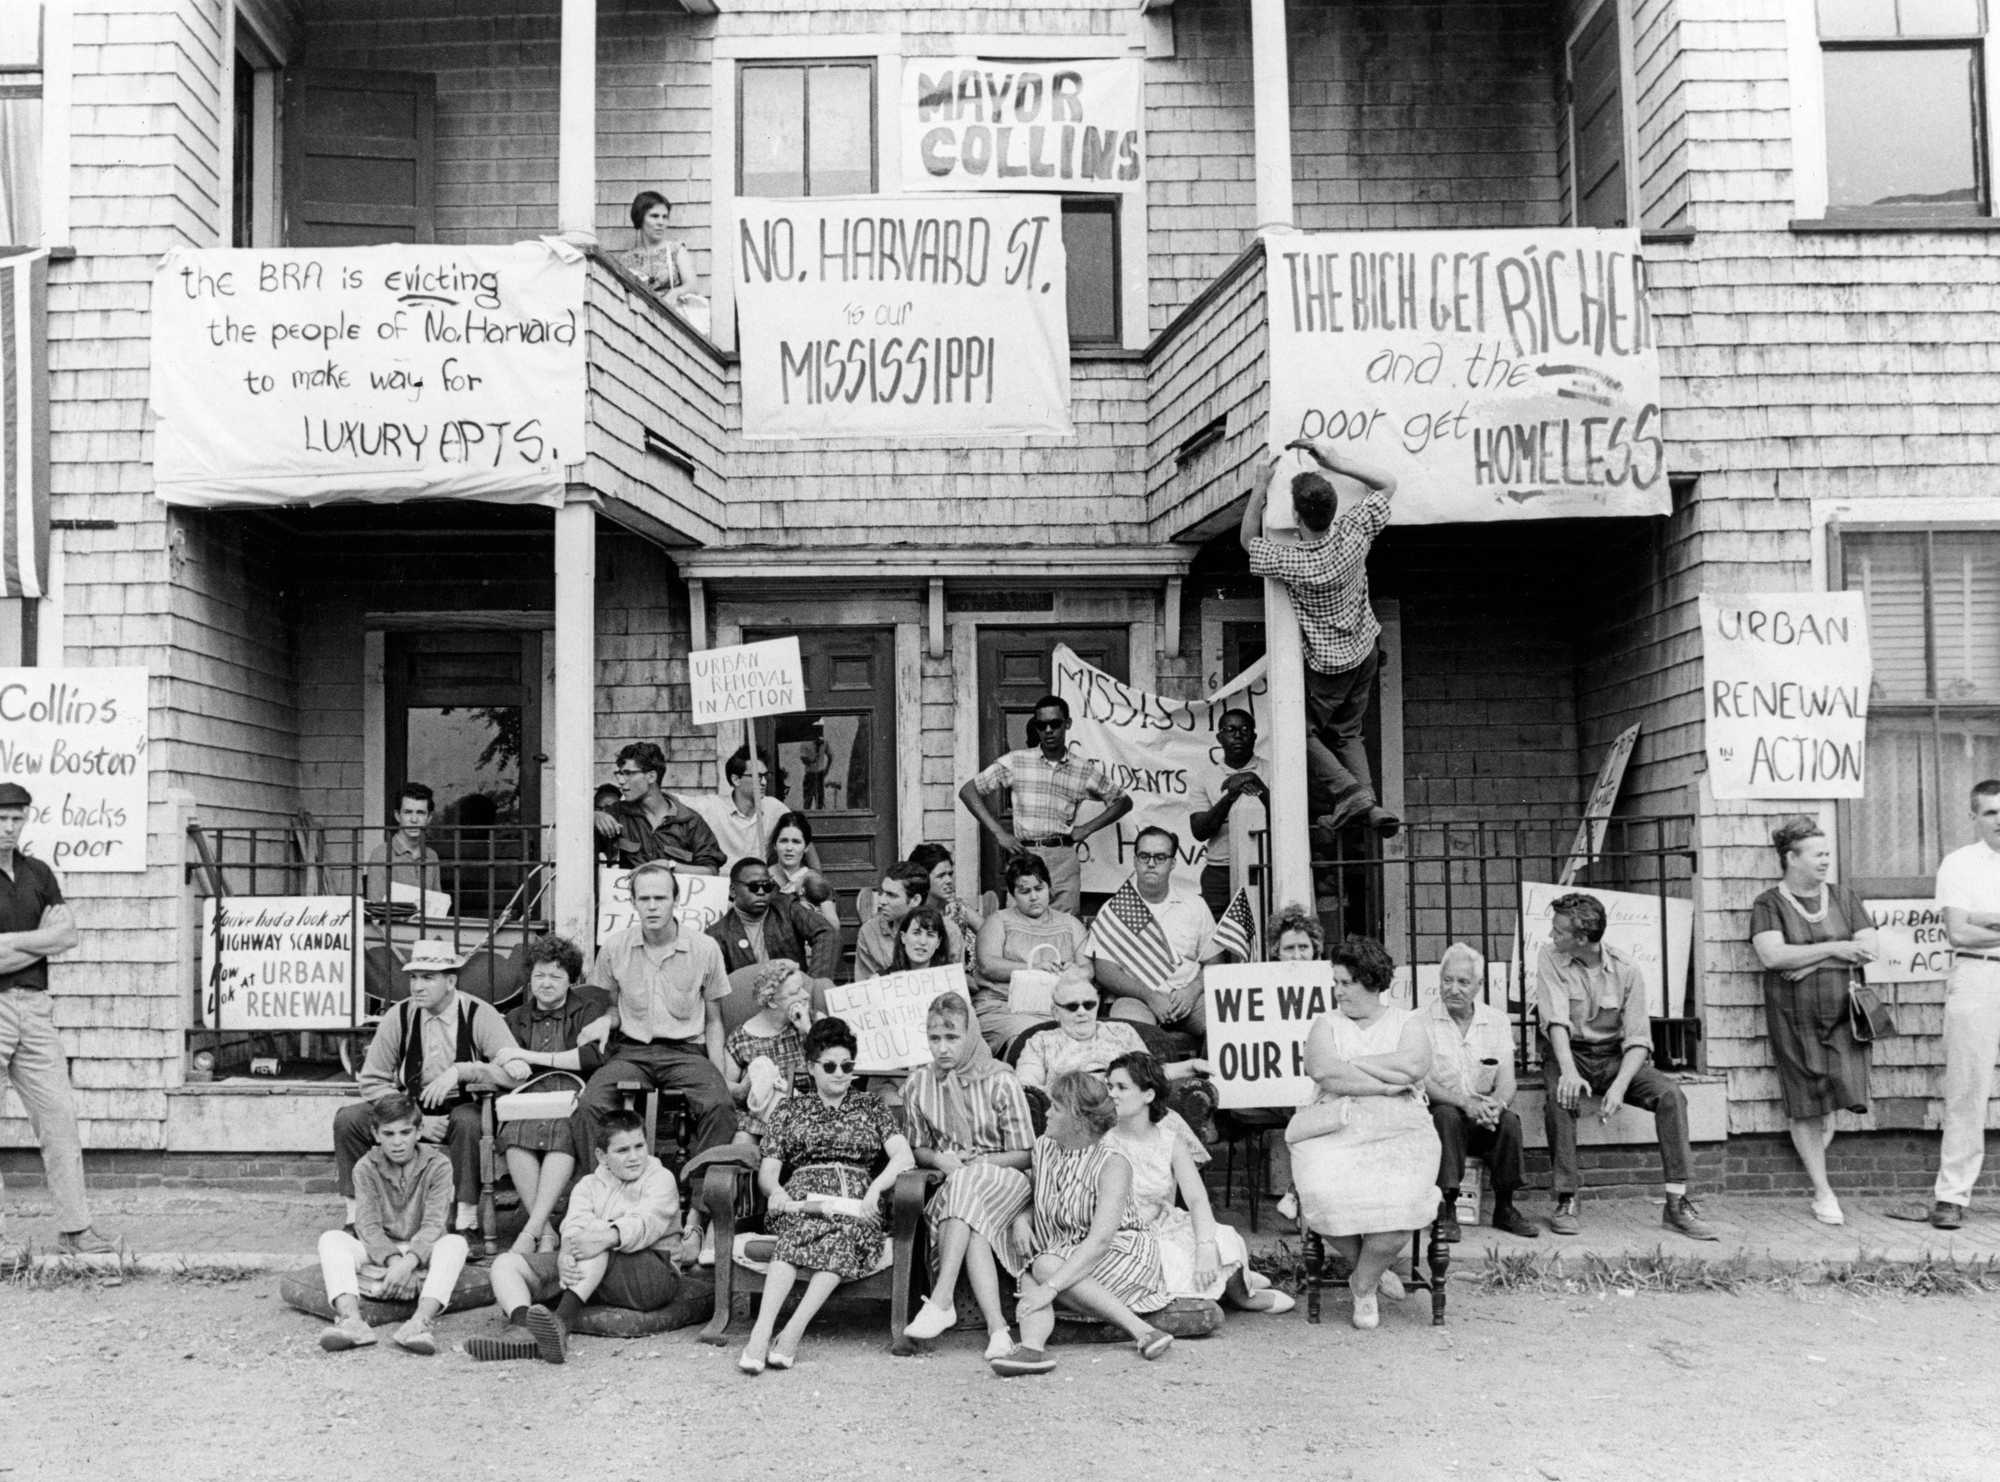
<point x="837" y="760"/>
<point x="1016" y="668"/>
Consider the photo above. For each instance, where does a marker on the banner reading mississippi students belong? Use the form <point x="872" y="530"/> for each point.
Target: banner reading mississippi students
<point x="871" y="317"/>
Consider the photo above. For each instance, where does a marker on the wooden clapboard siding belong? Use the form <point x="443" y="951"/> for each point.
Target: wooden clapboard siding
<point x="1213" y="361"/>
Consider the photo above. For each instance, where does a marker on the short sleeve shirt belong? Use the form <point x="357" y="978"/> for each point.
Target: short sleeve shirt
<point x="1968" y="879"/>
<point x="1328" y="582"/>
<point x="1207" y="793"/>
<point x="25" y="894"/>
<point x="1604" y="1003"/>
<point x="1047" y="794"/>
<point x="662" y="992"/>
<point x="1459" y="1057"/>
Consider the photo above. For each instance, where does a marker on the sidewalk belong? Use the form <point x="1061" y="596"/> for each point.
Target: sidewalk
<point x="171" y="1230"/>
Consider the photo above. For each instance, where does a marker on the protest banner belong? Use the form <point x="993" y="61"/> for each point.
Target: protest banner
<point x="1499" y="375"/>
<point x="1785" y="679"/>
<point x="973" y="124"/>
<point x="1633" y="927"/>
<point x="887" y="1015"/>
<point x="1259" y="1014"/>
<point x="700" y="904"/>
<point x="1589" y="840"/>
<point x="76" y="740"/>
<point x="274" y="962"/>
<point x="746" y="680"/>
<point x="1157" y="749"/>
<point x="1910" y="943"/>
<point x="872" y="317"/>
<point x="300" y="375"/>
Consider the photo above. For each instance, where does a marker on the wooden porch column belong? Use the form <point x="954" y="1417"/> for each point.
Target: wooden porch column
<point x="1291" y="853"/>
<point x="576" y="147"/>
<point x="575" y="702"/>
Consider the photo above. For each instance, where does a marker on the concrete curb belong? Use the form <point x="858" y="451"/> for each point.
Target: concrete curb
<point x="169" y="1263"/>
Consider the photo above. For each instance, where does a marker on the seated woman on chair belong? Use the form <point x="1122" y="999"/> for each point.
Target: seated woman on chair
<point x="921" y="941"/>
<point x="824" y="1208"/>
<point x="1028" y="933"/>
<point x="1364" y="1152"/>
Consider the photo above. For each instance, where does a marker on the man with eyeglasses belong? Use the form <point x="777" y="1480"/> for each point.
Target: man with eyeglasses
<point x="763" y="926"/>
<point x="1049" y="787"/>
<point x="743" y="820"/>
<point x="646" y="823"/>
<point x="1154" y="975"/>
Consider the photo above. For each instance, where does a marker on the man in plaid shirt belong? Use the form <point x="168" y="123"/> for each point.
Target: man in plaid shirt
<point x="1326" y="572"/>
<point x="1049" y="786"/>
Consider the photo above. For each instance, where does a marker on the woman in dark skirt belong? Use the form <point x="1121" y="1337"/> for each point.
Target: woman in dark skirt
<point x="1811" y="935"/>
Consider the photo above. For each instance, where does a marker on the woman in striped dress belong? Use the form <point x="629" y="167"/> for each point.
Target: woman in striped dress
<point x="1090" y="1249"/>
<point x="967" y="1117"/>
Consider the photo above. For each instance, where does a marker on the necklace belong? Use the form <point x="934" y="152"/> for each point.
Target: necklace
<point x="1814" y="917"/>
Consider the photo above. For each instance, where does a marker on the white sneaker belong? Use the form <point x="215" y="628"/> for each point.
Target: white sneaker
<point x="1289" y="1205"/>
<point x="1390" y="1286"/>
<point x="1827" y="1211"/>
<point x="999" y="1343"/>
<point x="931" y="1321"/>
<point x="1367" y="1312"/>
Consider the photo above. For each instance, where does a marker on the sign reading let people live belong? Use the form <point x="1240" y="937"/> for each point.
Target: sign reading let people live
<point x="1499" y="375"/>
<point x="972" y="124"/>
<point x="1785" y="679"/>
<point x="375" y="373"/>
<point x="76" y="740"/>
<point x="872" y="317"/>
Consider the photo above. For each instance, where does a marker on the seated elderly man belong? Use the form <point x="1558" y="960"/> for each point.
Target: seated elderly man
<point x="1471" y="1086"/>
<point x="435" y="1047"/>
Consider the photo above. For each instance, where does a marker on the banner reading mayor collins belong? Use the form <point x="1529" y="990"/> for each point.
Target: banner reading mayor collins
<point x="874" y="317"/>
<point x="973" y="124"/>
<point x="1500" y="375"/>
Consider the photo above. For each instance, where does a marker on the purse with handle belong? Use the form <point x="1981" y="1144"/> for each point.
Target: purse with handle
<point x="1868" y="1017"/>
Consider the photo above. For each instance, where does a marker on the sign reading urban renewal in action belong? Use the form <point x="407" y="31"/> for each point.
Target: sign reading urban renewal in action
<point x="1259" y="1014"/>
<point x="875" y="317"/>
<point x="1500" y="375"/>
<point x="1910" y="942"/>
<point x="279" y="962"/>
<point x="1785" y="693"/>
<point x="378" y="373"/>
<point x="746" y="680"/>
<point x="1158" y="749"/>
<point x="76" y="740"/>
<point x="970" y="124"/>
<point x="888" y="1015"/>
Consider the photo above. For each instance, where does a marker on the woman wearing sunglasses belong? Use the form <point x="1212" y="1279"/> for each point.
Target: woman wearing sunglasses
<point x="825" y="1209"/>
<point x="1082" y="1041"/>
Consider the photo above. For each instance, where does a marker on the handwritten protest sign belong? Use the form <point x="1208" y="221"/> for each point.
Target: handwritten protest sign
<point x="874" y="317"/>
<point x="1633" y="927"/>
<point x="702" y="900"/>
<point x="1785" y="680"/>
<point x="279" y="962"/>
<point x="746" y="680"/>
<point x="1500" y="375"/>
<point x="76" y="740"/>
<point x="1589" y="841"/>
<point x="1259" y="1014"/>
<point x="887" y="1015"/>
<point x="301" y="375"/>
<point x="971" y="124"/>
<point x="1910" y="943"/>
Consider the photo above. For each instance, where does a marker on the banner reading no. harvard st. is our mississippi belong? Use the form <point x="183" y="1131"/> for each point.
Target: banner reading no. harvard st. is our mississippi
<point x="1500" y="375"/>
<point x="973" y="124"/>
<point x="874" y="317"/>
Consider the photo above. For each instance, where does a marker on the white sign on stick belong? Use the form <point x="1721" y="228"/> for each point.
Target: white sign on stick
<point x="888" y="1015"/>
<point x="932" y="317"/>
<point x="746" y="680"/>
<point x="1589" y="841"/>
<point x="1499" y="375"/>
<point x="971" y="124"/>
<point x="1633" y="927"/>
<point x="700" y="904"/>
<point x="76" y="739"/>
<point x="1259" y="1014"/>
<point x="1158" y="749"/>
<point x="279" y="962"/>
<point x="1910" y="942"/>
<point x="302" y="375"/>
<point x="1785" y="679"/>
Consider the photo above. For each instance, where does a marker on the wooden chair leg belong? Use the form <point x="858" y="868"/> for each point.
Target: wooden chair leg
<point x="489" y="1219"/>
<point x="718" y="1197"/>
<point x="1315" y="1259"/>
<point x="1440" y="1264"/>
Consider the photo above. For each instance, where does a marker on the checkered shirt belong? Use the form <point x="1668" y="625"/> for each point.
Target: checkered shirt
<point x="1328" y="580"/>
<point x="1047" y="794"/>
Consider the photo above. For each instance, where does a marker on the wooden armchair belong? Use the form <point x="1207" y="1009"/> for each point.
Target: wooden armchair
<point x="721" y="1189"/>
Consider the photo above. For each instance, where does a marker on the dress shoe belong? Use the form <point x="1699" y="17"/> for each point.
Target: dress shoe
<point x="85" y="1242"/>
<point x="1564" y="1220"/>
<point x="1510" y="1221"/>
<point x="1447" y="1220"/>
<point x="1946" y="1215"/>
<point x="1682" y="1215"/>
<point x="931" y="1321"/>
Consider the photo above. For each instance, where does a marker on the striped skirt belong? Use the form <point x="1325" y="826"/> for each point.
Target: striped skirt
<point x="988" y="1198"/>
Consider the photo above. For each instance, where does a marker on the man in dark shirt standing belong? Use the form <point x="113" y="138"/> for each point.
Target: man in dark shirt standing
<point x="648" y="823"/>
<point x="36" y="925"/>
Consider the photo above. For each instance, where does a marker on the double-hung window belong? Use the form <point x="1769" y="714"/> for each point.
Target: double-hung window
<point x="21" y="123"/>
<point x="806" y="129"/>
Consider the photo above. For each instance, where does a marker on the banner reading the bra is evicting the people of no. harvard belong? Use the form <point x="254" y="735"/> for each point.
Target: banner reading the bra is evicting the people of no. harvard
<point x="874" y="317"/>
<point x="1499" y="375"/>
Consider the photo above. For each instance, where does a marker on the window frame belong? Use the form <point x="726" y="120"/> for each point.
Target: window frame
<point x="805" y="66"/>
<point x="1628" y="126"/>
<point x="1110" y="206"/>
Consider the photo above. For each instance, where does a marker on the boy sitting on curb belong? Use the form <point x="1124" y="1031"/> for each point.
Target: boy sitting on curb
<point x="403" y="1192"/>
<point x="616" y="1240"/>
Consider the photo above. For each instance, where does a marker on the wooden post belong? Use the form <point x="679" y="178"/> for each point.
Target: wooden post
<point x="576" y="105"/>
<point x="575" y="702"/>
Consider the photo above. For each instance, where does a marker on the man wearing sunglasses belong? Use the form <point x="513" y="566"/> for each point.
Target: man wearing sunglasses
<point x="763" y="926"/>
<point x="1049" y="787"/>
<point x="1151" y="941"/>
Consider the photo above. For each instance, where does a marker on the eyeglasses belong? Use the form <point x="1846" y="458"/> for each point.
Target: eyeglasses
<point x="759" y="887"/>
<point x="1077" y="1007"/>
<point x="1148" y="856"/>
<point x="837" y="1067"/>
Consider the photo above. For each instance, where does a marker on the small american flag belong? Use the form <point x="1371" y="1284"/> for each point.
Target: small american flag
<point x="1236" y="932"/>
<point x="1126" y="933"/>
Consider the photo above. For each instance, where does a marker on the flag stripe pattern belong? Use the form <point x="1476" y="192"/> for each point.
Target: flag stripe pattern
<point x="24" y="443"/>
<point x="1125" y="932"/>
<point x="1236" y="932"/>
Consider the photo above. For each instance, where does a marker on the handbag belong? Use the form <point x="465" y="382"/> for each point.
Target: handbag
<point x="1317" y="1119"/>
<point x="1868" y="1017"/>
<point x="549" y="1096"/>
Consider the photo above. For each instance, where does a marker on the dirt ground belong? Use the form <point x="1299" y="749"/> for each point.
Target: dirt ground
<point x="157" y="1378"/>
